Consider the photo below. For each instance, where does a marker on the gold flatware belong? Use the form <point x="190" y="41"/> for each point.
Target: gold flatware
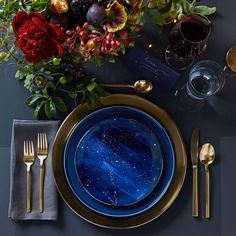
<point x="140" y="86"/>
<point x="29" y="161"/>
<point x="194" y="157"/>
<point x="207" y="156"/>
<point x="42" y="153"/>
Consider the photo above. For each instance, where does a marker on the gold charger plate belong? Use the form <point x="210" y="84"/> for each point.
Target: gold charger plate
<point x="132" y="221"/>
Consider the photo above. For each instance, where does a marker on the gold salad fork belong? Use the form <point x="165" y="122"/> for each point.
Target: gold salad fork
<point x="42" y="153"/>
<point x="29" y="161"/>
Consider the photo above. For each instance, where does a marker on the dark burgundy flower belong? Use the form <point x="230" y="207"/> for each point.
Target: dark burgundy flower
<point x="37" y="38"/>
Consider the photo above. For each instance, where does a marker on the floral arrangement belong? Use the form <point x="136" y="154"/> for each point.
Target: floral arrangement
<point x="50" y="40"/>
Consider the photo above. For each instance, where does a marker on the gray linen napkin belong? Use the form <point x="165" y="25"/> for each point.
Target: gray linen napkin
<point x="27" y="130"/>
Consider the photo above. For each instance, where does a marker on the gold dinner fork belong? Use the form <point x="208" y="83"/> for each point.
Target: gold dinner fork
<point x="29" y="161"/>
<point x="42" y="153"/>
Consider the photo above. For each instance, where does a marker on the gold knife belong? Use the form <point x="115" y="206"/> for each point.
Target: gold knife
<point x="194" y="151"/>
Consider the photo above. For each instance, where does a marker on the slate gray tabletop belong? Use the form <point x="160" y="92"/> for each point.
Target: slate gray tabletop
<point x="216" y="120"/>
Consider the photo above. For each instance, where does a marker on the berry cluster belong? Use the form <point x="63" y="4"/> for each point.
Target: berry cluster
<point x="73" y="71"/>
<point x="80" y="34"/>
<point x="108" y="43"/>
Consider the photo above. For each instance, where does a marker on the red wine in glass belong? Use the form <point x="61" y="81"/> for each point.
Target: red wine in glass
<point x="188" y="40"/>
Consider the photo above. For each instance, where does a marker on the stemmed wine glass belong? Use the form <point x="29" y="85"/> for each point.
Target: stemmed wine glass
<point x="188" y="39"/>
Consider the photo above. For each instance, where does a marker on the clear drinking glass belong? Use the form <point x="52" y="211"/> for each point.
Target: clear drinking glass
<point x="206" y="78"/>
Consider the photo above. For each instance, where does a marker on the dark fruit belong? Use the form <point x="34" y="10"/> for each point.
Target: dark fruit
<point x="61" y="20"/>
<point x="79" y="8"/>
<point x="96" y="14"/>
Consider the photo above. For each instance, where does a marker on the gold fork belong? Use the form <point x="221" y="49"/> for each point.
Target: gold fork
<point x="42" y="153"/>
<point x="29" y="161"/>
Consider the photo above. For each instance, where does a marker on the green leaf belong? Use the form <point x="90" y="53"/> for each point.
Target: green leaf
<point x="111" y="59"/>
<point x="91" y="27"/>
<point x="39" y="5"/>
<point x="50" y="109"/>
<point x="50" y="84"/>
<point x="63" y="80"/>
<point x="98" y="60"/>
<point x="56" y="61"/>
<point x="30" y="101"/>
<point x="29" y="76"/>
<point x="122" y="48"/>
<point x="186" y="6"/>
<point x="28" y="81"/>
<point x="100" y="91"/>
<point x="91" y="86"/>
<point x="4" y="56"/>
<point x="155" y="16"/>
<point x="193" y="2"/>
<point x="19" y="75"/>
<point x="89" y="100"/>
<point x="38" y="109"/>
<point x="80" y="86"/>
<point x="60" y="104"/>
<point x="73" y="93"/>
<point x="204" y="10"/>
<point x="93" y="99"/>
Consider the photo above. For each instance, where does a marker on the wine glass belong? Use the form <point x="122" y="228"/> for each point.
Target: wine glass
<point x="188" y="39"/>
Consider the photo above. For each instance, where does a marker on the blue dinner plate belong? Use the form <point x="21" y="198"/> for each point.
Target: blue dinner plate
<point x="118" y="160"/>
<point x="113" y="160"/>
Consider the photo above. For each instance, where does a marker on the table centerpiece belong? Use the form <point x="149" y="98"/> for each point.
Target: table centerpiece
<point x="50" y="39"/>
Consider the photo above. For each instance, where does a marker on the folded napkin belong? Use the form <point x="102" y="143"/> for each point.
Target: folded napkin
<point x="23" y="130"/>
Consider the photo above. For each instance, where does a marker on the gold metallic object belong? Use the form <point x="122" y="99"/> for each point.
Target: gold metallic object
<point x="117" y="222"/>
<point x="231" y="58"/>
<point x="59" y="6"/>
<point x="42" y="152"/>
<point x="207" y="156"/>
<point x="194" y="158"/>
<point x="140" y="86"/>
<point x="29" y="161"/>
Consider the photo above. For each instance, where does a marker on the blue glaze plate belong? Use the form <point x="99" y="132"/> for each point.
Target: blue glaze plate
<point x="113" y="161"/>
<point x="118" y="160"/>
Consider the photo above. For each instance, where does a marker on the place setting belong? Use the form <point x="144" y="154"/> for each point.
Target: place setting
<point x="117" y="160"/>
<point x="117" y="191"/>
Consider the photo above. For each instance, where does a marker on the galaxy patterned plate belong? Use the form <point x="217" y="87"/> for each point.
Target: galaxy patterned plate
<point x="114" y="158"/>
<point x="119" y="159"/>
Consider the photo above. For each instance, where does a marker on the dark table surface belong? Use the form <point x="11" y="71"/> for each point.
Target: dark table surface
<point x="216" y="120"/>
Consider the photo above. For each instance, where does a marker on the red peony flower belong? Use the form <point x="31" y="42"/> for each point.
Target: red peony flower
<point x="37" y="38"/>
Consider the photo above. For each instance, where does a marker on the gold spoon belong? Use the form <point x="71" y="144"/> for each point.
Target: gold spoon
<point x="140" y="86"/>
<point x="207" y="156"/>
